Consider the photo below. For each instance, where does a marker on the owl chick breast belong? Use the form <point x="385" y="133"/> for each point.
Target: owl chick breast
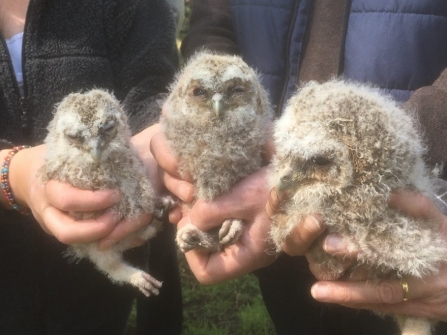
<point x="341" y="148"/>
<point x="88" y="146"/>
<point x="218" y="121"/>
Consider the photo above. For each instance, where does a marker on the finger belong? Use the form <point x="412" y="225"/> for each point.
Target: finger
<point x="337" y="246"/>
<point x="322" y="273"/>
<point x="358" y="273"/>
<point x="179" y="187"/>
<point x="175" y="215"/>
<point x="233" y="262"/>
<point x="303" y="235"/>
<point x="163" y="154"/>
<point x="123" y="229"/>
<point x="68" y="230"/>
<point x="71" y="199"/>
<point x="387" y="292"/>
<point x="247" y="197"/>
<point x="417" y="308"/>
<point x="274" y="202"/>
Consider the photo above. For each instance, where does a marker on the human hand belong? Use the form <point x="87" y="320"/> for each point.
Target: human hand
<point x="125" y="228"/>
<point x="246" y="201"/>
<point x="51" y="203"/>
<point x="427" y="297"/>
<point x="168" y="174"/>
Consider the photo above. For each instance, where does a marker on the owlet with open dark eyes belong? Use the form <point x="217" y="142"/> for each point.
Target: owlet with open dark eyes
<point x="217" y="125"/>
<point x="88" y="146"/>
<point x="341" y="149"/>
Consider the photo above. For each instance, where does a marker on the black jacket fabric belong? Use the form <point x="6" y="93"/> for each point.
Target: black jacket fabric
<point x="71" y="46"/>
<point x="126" y="47"/>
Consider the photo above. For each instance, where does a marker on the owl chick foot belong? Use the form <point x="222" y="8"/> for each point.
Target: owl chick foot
<point x="147" y="284"/>
<point x="164" y="206"/>
<point x="230" y="232"/>
<point x="190" y="237"/>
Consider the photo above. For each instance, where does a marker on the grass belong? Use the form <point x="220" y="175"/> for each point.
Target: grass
<point x="232" y="308"/>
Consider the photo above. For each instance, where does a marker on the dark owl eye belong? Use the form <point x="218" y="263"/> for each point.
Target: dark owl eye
<point x="108" y="126"/>
<point x="238" y="89"/>
<point x="320" y="161"/>
<point x="198" y="92"/>
<point x="73" y="137"/>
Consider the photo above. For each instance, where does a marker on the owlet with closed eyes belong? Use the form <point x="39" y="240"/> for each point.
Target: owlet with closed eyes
<point x="217" y="125"/>
<point x="88" y="146"/>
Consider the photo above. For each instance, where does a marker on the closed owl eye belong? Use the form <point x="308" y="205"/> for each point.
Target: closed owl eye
<point x="198" y="92"/>
<point x="109" y="126"/>
<point x="73" y="137"/>
<point x="238" y="89"/>
<point x="320" y="161"/>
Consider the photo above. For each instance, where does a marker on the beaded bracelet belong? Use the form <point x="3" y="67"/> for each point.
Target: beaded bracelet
<point x="4" y="179"/>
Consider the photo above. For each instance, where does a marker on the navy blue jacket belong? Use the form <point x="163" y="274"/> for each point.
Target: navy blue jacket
<point x="396" y="45"/>
<point x="399" y="46"/>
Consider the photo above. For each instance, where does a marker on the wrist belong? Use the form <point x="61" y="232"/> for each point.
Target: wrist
<point x="18" y="177"/>
<point x="10" y="198"/>
<point x="3" y="202"/>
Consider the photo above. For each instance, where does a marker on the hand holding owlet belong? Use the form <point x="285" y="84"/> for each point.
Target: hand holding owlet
<point x="217" y="126"/>
<point x="341" y="148"/>
<point x="88" y="146"/>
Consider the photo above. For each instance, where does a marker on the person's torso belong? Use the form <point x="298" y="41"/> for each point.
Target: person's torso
<point x="63" y="52"/>
<point x="398" y="46"/>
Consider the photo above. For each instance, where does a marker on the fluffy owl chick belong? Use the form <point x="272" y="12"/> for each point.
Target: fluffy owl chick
<point x="217" y="126"/>
<point x="341" y="149"/>
<point x="88" y="146"/>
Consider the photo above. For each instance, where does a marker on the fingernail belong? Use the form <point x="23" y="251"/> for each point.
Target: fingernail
<point x="106" y="244"/>
<point x="333" y="244"/>
<point x="184" y="192"/>
<point x="320" y="291"/>
<point x="312" y="224"/>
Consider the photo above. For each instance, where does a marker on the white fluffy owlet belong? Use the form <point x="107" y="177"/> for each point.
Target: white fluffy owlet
<point x="341" y="149"/>
<point x="217" y="126"/>
<point x="88" y="146"/>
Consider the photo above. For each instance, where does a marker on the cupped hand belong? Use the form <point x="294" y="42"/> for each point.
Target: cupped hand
<point x="51" y="203"/>
<point x="169" y="175"/>
<point x="427" y="297"/>
<point x="253" y="250"/>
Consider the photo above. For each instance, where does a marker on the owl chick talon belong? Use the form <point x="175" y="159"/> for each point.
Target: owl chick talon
<point x="146" y="283"/>
<point x="190" y="237"/>
<point x="165" y="205"/>
<point x="230" y="232"/>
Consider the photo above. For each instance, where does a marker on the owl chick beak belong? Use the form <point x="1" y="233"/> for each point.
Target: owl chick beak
<point x="96" y="150"/>
<point x="218" y="104"/>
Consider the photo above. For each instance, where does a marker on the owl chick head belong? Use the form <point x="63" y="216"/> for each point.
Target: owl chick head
<point x="88" y="124"/>
<point x="218" y="87"/>
<point x="340" y="134"/>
